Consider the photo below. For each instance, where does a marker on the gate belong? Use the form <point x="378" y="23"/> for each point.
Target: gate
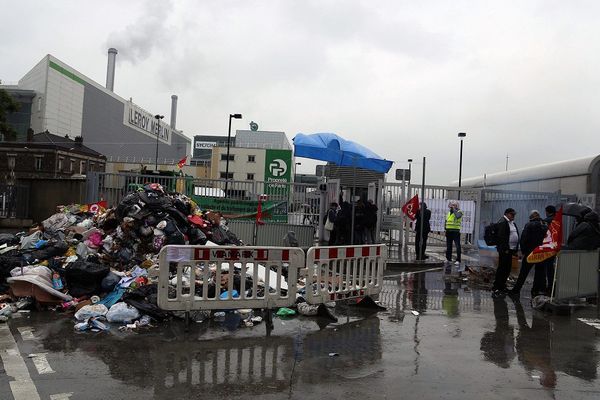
<point x="484" y="206"/>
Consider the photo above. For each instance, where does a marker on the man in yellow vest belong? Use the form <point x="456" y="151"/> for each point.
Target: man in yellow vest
<point x="453" y="221"/>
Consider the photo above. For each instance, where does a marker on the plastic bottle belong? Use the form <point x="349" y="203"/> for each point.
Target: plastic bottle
<point x="56" y="281"/>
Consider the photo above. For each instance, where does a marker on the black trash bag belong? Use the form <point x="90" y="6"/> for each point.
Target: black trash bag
<point x="155" y="200"/>
<point x="176" y="238"/>
<point x="233" y="239"/>
<point x="7" y="263"/>
<point x="126" y="205"/>
<point x="219" y="235"/>
<point x="197" y="237"/>
<point x="8" y="239"/>
<point x="178" y="216"/>
<point x="53" y="250"/>
<point x="84" y="278"/>
<point x="109" y="282"/>
<point x="182" y="206"/>
<point x="144" y="299"/>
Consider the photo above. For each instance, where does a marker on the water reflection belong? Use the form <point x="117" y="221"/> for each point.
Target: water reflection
<point x="543" y="347"/>
<point x="175" y="364"/>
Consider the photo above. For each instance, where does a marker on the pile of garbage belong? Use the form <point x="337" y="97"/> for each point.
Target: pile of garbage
<point x="102" y="263"/>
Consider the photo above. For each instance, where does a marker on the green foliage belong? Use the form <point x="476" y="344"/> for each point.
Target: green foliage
<point x="7" y="105"/>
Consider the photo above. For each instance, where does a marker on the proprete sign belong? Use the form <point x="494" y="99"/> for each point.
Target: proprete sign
<point x="278" y="170"/>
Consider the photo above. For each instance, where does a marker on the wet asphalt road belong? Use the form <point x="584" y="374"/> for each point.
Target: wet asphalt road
<point x="461" y="345"/>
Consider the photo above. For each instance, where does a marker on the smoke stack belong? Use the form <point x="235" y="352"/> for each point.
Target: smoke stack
<point x="173" y="110"/>
<point x="110" y="69"/>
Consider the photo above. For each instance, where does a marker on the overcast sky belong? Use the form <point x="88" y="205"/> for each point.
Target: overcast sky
<point x="401" y="77"/>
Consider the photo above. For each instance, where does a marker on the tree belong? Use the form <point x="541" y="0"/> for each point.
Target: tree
<point x="8" y="105"/>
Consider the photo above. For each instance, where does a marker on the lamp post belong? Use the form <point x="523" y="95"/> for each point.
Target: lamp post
<point x="158" y="118"/>
<point x="236" y="116"/>
<point x="461" y="135"/>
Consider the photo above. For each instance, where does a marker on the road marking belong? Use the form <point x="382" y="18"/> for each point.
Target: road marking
<point x="41" y="363"/>
<point x="26" y="332"/>
<point x="591" y="322"/>
<point x="22" y="386"/>
<point x="61" y="396"/>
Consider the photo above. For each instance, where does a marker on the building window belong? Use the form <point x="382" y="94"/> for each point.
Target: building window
<point x="223" y="176"/>
<point x="224" y="157"/>
<point x="72" y="166"/>
<point x="251" y="158"/>
<point x="91" y="168"/>
<point x="250" y="177"/>
<point x="60" y="163"/>
<point x="81" y="167"/>
<point x="38" y="162"/>
<point x="12" y="159"/>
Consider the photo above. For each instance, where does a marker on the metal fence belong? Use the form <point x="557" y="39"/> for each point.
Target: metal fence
<point x="14" y="201"/>
<point x="489" y="207"/>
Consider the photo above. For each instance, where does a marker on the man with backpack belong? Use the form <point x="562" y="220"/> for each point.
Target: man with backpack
<point x="507" y="246"/>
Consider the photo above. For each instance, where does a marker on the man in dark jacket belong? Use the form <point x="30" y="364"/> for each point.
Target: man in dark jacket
<point x="533" y="236"/>
<point x="421" y="246"/>
<point x="370" y="222"/>
<point x="508" y="245"/>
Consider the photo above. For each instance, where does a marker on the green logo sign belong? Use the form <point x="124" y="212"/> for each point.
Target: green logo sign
<point x="278" y="171"/>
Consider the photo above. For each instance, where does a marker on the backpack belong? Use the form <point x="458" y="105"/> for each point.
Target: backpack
<point x="490" y="234"/>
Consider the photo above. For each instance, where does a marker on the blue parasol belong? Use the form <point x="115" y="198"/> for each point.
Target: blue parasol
<point x="346" y="153"/>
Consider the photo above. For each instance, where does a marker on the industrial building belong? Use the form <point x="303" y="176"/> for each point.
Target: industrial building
<point x="58" y="99"/>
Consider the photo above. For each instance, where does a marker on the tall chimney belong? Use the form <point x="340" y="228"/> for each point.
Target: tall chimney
<point x="173" y="111"/>
<point x="110" y="69"/>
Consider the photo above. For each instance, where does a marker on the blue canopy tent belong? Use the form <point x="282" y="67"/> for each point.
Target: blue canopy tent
<point x="337" y="150"/>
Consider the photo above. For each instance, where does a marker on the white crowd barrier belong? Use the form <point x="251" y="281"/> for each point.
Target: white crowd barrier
<point x="200" y="272"/>
<point x="343" y="272"/>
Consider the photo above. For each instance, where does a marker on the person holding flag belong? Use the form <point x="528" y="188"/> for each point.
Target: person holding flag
<point x="422" y="229"/>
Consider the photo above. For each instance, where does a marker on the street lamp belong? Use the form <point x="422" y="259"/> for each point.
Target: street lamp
<point x="158" y="118"/>
<point x="236" y="116"/>
<point x="409" y="174"/>
<point x="461" y="135"/>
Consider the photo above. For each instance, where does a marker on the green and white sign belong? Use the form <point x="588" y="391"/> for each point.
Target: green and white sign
<point x="278" y="171"/>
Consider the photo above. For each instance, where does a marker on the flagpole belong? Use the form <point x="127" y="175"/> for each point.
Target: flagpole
<point x="422" y="209"/>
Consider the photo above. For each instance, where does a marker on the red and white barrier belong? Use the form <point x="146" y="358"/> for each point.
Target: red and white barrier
<point x="205" y="266"/>
<point x="343" y="272"/>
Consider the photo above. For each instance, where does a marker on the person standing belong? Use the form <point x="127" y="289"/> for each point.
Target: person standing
<point x="508" y="245"/>
<point x="370" y="222"/>
<point x="453" y="222"/>
<point x="331" y="218"/>
<point x="421" y="234"/>
<point x="532" y="236"/>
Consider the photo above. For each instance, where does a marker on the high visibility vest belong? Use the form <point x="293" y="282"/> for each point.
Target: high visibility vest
<point x="452" y="223"/>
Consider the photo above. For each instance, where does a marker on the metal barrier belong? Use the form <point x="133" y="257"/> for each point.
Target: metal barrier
<point x="272" y="234"/>
<point x="197" y="267"/>
<point x="576" y="274"/>
<point x="339" y="272"/>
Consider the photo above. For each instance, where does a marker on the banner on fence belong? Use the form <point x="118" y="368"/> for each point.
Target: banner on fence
<point x="439" y="210"/>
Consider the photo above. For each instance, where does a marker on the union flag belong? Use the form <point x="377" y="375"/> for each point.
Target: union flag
<point x="411" y="208"/>
<point x="552" y="242"/>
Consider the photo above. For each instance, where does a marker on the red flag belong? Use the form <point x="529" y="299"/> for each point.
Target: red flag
<point x="552" y="242"/>
<point x="259" y="220"/>
<point x="95" y="207"/>
<point x="181" y="162"/>
<point x="411" y="208"/>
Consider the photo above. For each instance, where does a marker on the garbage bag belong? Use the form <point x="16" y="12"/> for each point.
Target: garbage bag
<point x="144" y="299"/>
<point x="8" y="239"/>
<point x="109" y="282"/>
<point x="28" y="242"/>
<point x="285" y="312"/>
<point x="91" y="310"/>
<point x="122" y="312"/>
<point x="54" y="250"/>
<point x="84" y="278"/>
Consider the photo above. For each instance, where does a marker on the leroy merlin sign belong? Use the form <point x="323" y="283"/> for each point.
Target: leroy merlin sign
<point x="278" y="171"/>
